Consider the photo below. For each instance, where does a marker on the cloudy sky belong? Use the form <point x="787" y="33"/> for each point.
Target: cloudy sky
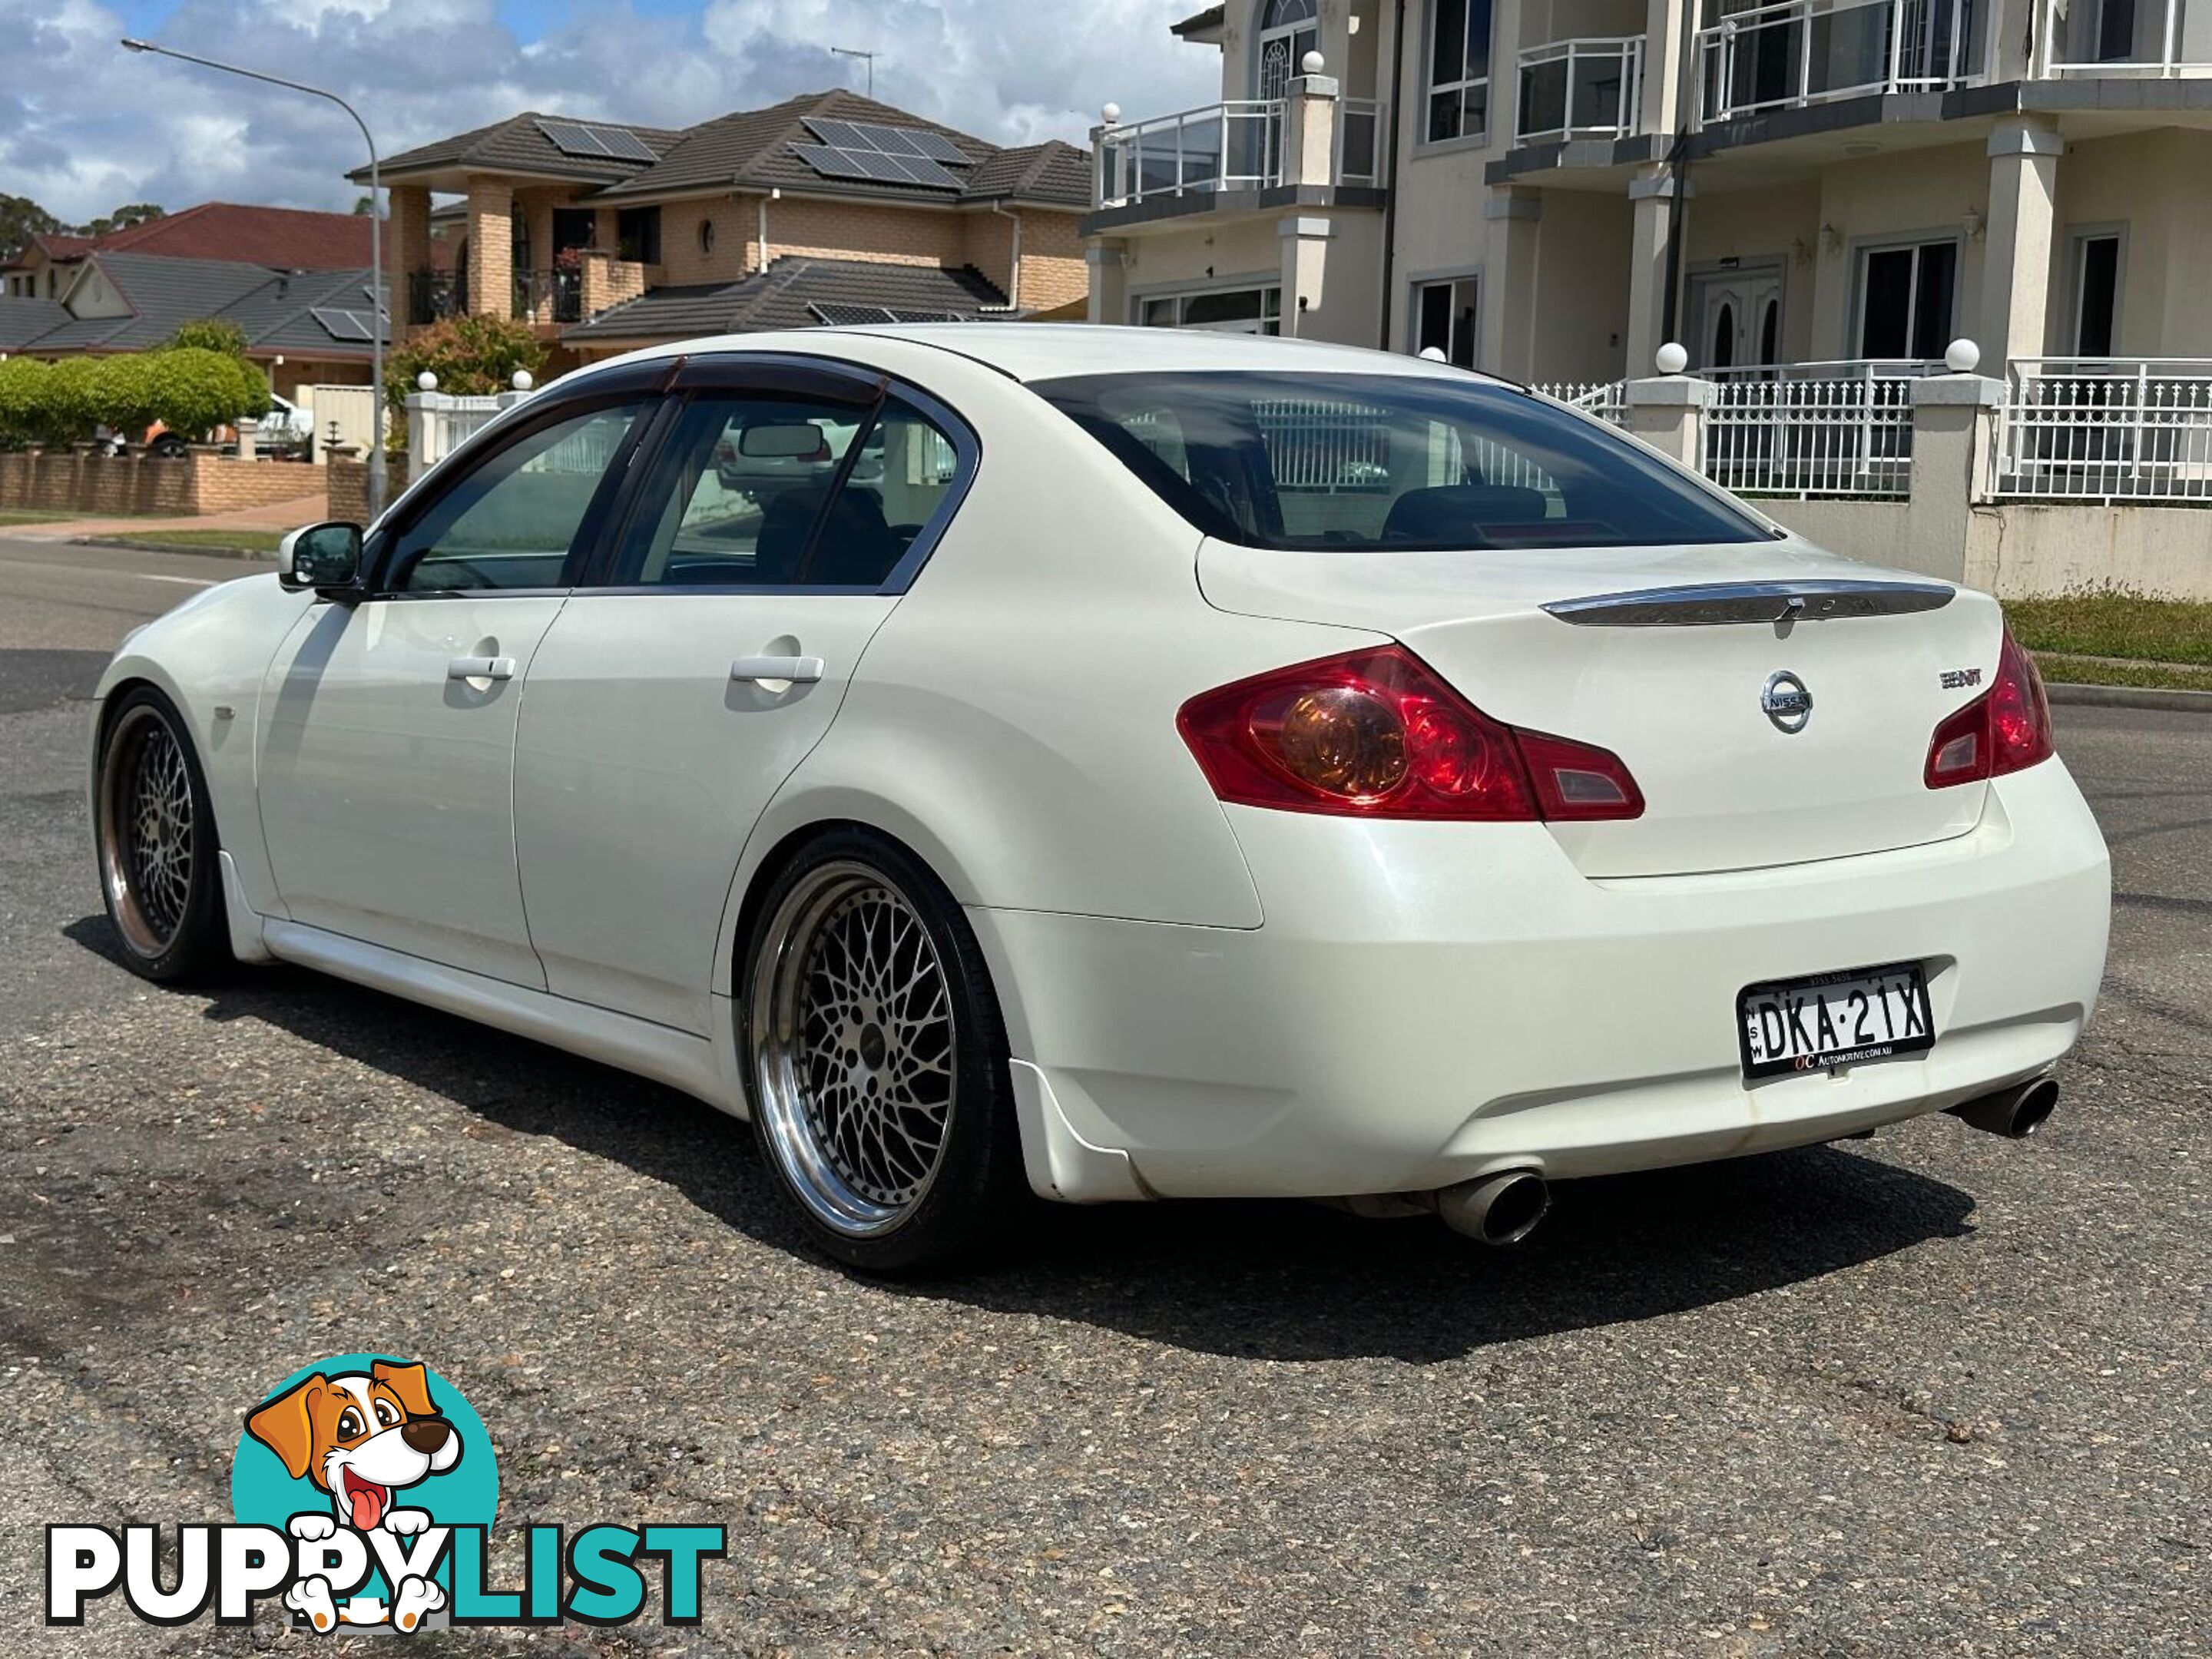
<point x="85" y="126"/>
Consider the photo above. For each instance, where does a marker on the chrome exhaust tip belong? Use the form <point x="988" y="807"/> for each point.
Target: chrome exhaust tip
<point x="1497" y="1209"/>
<point x="2015" y="1113"/>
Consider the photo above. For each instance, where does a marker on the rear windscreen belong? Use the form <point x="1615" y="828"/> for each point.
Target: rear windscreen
<point x="1390" y="463"/>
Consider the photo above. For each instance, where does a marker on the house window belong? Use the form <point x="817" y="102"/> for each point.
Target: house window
<point x="1224" y="311"/>
<point x="637" y="235"/>
<point x="1906" y="299"/>
<point x="1459" y="70"/>
<point x="2096" y="294"/>
<point x="1289" y="29"/>
<point x="1444" y="319"/>
<point x="706" y="236"/>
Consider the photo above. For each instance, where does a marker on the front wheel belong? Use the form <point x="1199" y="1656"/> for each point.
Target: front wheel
<point x="155" y="832"/>
<point x="877" y="1059"/>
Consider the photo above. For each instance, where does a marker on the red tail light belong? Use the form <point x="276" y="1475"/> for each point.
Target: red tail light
<point x="1378" y="734"/>
<point x="2006" y="729"/>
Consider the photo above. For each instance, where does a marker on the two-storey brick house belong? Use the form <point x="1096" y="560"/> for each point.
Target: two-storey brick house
<point x="827" y="206"/>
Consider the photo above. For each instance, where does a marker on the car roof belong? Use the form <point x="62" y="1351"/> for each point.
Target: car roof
<point x="1046" y="351"/>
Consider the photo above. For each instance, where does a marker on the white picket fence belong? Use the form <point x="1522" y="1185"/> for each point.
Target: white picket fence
<point x="1604" y="398"/>
<point x="2107" y="430"/>
<point x="1771" y="436"/>
<point x="439" y="422"/>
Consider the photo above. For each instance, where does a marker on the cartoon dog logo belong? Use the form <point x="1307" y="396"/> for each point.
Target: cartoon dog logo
<point x="362" y="1437"/>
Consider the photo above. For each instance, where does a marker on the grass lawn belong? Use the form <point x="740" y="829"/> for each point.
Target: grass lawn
<point x="2058" y="669"/>
<point x="245" y="541"/>
<point x="2112" y="624"/>
<point x="18" y="516"/>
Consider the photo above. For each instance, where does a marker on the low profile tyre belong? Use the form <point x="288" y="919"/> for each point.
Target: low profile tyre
<point x="876" y="1060"/>
<point x="154" y="833"/>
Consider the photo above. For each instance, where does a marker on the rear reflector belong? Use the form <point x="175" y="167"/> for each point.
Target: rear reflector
<point x="2006" y="729"/>
<point x="1379" y="734"/>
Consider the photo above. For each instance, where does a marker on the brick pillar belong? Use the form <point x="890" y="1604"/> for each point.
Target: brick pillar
<point x="406" y="248"/>
<point x="491" y="248"/>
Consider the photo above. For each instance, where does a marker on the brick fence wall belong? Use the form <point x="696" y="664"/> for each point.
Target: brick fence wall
<point x="349" y="491"/>
<point x="101" y="486"/>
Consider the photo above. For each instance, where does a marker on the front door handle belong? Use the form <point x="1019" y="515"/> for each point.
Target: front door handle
<point x="480" y="668"/>
<point x="796" y="671"/>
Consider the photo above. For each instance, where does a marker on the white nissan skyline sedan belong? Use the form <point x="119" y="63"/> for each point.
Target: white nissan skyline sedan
<point x="1173" y="765"/>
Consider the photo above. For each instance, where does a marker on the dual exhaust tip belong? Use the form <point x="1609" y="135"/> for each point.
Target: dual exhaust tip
<point x="1505" y="1208"/>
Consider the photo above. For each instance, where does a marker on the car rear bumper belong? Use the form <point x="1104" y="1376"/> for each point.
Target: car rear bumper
<point x="1427" y="1002"/>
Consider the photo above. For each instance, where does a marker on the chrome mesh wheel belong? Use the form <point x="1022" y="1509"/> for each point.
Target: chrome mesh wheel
<point x="146" y="831"/>
<point x="853" y="1048"/>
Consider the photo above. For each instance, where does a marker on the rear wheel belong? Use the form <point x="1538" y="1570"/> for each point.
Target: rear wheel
<point x="155" y="831"/>
<point x="877" y="1059"/>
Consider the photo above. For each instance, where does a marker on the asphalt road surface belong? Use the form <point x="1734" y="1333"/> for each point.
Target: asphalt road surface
<point x="1932" y="1393"/>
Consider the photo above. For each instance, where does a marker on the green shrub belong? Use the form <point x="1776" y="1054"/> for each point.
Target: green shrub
<point x="211" y="334"/>
<point x="120" y="392"/>
<point x="470" y="354"/>
<point x="22" y="400"/>
<point x="190" y="389"/>
<point x="70" y="409"/>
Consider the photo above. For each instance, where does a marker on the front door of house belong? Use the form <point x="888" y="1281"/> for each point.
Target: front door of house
<point x="1735" y="318"/>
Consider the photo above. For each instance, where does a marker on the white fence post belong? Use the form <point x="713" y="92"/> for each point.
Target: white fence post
<point x="418" y="434"/>
<point x="1667" y="412"/>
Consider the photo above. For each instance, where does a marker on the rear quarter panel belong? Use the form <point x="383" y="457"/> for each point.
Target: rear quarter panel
<point x="1014" y="720"/>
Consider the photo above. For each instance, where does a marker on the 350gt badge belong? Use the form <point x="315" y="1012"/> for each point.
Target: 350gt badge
<point x="1786" y="701"/>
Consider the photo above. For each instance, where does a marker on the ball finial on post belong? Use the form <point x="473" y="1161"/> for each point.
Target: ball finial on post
<point x="1312" y="64"/>
<point x="1110" y="114"/>
<point x="522" y="381"/>
<point x="1962" y="356"/>
<point x="1672" y="359"/>
<point x="426" y="381"/>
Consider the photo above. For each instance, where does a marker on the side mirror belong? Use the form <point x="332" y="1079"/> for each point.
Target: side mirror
<point x="322" y="555"/>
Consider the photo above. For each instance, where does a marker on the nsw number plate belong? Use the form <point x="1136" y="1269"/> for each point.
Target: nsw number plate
<point x="1833" y="1020"/>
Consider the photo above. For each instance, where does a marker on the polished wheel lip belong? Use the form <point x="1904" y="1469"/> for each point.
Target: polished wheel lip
<point x="146" y="825"/>
<point x="854" y="1047"/>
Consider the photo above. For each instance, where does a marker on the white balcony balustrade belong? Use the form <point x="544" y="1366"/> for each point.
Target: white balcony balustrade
<point x="1582" y="88"/>
<point x="1241" y="145"/>
<point x="1791" y="53"/>
<point x="2129" y="39"/>
<point x="2107" y="430"/>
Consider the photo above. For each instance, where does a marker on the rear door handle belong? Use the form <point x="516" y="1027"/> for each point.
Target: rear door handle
<point x="480" y="668"/>
<point x="799" y="671"/>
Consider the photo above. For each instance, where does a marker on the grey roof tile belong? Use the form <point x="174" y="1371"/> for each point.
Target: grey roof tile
<point x="516" y="144"/>
<point x="779" y="297"/>
<point x="275" y="308"/>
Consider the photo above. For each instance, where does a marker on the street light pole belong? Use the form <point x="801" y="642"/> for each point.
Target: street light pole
<point x="375" y="247"/>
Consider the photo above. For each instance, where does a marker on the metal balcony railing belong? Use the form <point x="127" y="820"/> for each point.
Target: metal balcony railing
<point x="1789" y="53"/>
<point x="2136" y="39"/>
<point x="432" y="295"/>
<point x="1238" y="145"/>
<point x="1581" y="89"/>
<point x="556" y="296"/>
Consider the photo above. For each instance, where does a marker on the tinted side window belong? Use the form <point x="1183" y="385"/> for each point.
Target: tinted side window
<point x="514" y="521"/>
<point x="742" y="495"/>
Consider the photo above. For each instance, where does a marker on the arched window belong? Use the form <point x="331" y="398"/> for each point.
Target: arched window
<point x="1724" y="352"/>
<point x="1769" y="332"/>
<point x="1289" y="29"/>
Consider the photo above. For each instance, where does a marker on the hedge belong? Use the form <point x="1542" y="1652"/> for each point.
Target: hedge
<point x="189" y="389"/>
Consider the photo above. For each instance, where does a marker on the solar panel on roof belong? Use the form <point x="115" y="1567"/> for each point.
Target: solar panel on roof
<point x="341" y="324"/>
<point x="923" y="171"/>
<point x="938" y="148"/>
<point x="892" y="141"/>
<point x="898" y="316"/>
<point x="843" y="134"/>
<point x="832" y="163"/>
<point x="587" y="138"/>
<point x="844" y="316"/>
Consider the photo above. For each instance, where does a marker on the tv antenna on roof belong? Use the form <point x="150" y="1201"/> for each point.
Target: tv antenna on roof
<point x="849" y="51"/>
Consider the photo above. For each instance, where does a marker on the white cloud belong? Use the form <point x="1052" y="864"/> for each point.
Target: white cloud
<point x="85" y="126"/>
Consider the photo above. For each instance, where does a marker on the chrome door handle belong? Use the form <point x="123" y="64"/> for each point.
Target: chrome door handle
<point x="480" y="668"/>
<point x="799" y="671"/>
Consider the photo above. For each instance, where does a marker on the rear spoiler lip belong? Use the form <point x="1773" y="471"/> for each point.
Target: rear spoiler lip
<point x="1707" y="604"/>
